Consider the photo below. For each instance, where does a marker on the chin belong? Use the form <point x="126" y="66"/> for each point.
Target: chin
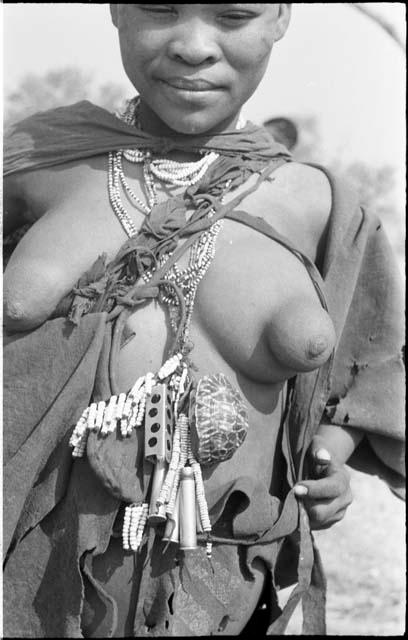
<point x="199" y="115"/>
<point x="191" y="128"/>
<point x="197" y="124"/>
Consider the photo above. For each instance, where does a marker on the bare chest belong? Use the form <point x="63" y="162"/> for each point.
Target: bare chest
<point x="247" y="280"/>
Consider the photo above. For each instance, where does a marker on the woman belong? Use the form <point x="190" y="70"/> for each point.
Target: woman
<point x="183" y="169"/>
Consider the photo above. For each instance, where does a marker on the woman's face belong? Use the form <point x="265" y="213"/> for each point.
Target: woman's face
<point x="195" y="65"/>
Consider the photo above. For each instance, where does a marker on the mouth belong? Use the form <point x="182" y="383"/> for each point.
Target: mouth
<point x="189" y="84"/>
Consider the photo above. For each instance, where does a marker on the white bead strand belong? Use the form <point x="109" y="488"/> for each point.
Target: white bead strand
<point x="114" y="196"/>
<point x="79" y="435"/>
<point x="201" y="500"/>
<point x="173" y="466"/>
<point x="169" y="366"/>
<point x="109" y="415"/>
<point x="184" y="427"/>
<point x="99" y="415"/>
<point x="130" y="525"/>
<point x="126" y="527"/>
<point x="92" y="416"/>
<point x="120" y="405"/>
<point x="79" y="448"/>
<point x="141" y="525"/>
<point x="149" y="382"/>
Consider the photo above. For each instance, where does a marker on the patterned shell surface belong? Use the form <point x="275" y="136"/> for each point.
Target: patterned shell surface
<point x="220" y="420"/>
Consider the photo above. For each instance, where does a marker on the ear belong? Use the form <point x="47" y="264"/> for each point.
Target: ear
<point x="114" y="13"/>
<point x="283" y="20"/>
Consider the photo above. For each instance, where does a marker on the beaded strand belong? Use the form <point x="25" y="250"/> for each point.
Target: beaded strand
<point x="184" y="430"/>
<point x="181" y="174"/>
<point x="125" y="410"/>
<point x="134" y="522"/>
<point x="79" y="436"/>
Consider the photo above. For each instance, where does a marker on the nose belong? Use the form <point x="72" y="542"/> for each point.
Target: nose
<point x="194" y="43"/>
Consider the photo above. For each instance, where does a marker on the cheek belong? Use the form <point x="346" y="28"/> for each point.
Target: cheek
<point x="250" y="60"/>
<point x="138" y="50"/>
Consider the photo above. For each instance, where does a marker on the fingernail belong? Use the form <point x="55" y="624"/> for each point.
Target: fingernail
<point x="300" y="490"/>
<point x="323" y="455"/>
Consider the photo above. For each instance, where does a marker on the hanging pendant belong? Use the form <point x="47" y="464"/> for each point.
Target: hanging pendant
<point x="134" y="522"/>
<point x="219" y="421"/>
<point x="109" y="417"/>
<point x="157" y="514"/>
<point x="187" y="514"/>
<point x="172" y="529"/>
<point x="158" y="424"/>
<point x="158" y="444"/>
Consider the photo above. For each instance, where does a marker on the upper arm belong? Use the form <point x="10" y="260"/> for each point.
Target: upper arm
<point x="296" y="200"/>
<point x="307" y="191"/>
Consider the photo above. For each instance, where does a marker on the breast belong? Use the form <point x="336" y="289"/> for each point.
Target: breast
<point x="256" y="313"/>
<point x="257" y="304"/>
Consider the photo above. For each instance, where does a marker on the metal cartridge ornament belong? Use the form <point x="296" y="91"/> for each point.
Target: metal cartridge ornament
<point x="187" y="510"/>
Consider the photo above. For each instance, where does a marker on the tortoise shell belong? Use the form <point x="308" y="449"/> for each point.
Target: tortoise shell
<point x="220" y="420"/>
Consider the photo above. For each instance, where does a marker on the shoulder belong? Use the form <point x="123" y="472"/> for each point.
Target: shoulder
<point x="29" y="192"/>
<point x="306" y="188"/>
<point x="40" y="190"/>
<point x="297" y="201"/>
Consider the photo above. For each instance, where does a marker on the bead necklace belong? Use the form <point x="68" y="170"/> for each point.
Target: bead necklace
<point x="115" y="173"/>
<point x="202" y="253"/>
<point x="180" y="174"/>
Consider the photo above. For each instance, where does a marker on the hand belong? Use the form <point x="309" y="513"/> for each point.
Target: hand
<point x="327" y="496"/>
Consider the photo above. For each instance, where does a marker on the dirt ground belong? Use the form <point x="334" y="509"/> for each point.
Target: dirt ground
<point x="365" y="562"/>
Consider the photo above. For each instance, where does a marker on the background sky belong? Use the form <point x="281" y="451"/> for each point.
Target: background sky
<point x="333" y="63"/>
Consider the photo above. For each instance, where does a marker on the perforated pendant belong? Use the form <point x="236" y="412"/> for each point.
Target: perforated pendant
<point x="158" y="444"/>
<point x="158" y="424"/>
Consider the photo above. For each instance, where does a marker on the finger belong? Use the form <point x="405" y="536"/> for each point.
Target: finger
<point x="318" y="450"/>
<point x="321" y="526"/>
<point x="322" y="463"/>
<point x="328" y="487"/>
<point x="328" y="510"/>
<point x="321" y="470"/>
<point x="325" y="520"/>
<point x="325" y="509"/>
<point x="322" y="456"/>
<point x="319" y="458"/>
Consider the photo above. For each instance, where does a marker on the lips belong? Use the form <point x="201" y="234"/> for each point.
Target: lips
<point x="189" y="84"/>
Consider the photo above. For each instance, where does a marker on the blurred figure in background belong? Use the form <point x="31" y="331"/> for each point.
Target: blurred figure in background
<point x="283" y="130"/>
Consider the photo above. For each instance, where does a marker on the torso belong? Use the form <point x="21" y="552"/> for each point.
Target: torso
<point x="243" y="288"/>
